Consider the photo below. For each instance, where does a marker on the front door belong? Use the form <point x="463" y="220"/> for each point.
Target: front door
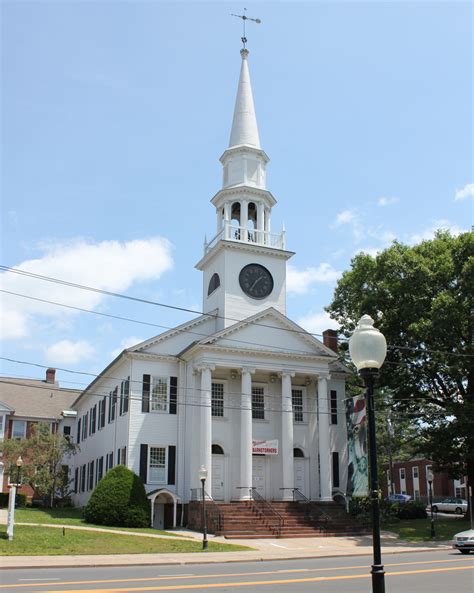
<point x="258" y="474"/>
<point x="299" y="465"/>
<point x="159" y="515"/>
<point x="218" y="477"/>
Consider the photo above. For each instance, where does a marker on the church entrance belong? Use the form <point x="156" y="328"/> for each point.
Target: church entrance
<point x="259" y="471"/>
<point x="300" y="469"/>
<point x="218" y="473"/>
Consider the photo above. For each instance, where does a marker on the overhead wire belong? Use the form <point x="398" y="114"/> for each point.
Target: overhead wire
<point x="182" y="309"/>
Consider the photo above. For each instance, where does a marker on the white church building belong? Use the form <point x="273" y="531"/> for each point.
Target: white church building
<point x="241" y="390"/>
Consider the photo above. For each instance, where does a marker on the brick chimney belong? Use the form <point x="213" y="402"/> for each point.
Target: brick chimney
<point x="50" y="375"/>
<point x="330" y="339"/>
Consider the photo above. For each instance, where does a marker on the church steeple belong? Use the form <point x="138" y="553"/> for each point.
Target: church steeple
<point x="244" y="125"/>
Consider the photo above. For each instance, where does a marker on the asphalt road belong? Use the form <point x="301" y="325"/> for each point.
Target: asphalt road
<point x="415" y="572"/>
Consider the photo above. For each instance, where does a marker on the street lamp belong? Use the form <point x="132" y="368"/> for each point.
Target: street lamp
<point x="368" y="348"/>
<point x="203" y="477"/>
<point x="429" y="477"/>
<point x="12" y="498"/>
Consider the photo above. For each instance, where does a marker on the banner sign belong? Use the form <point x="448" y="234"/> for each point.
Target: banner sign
<point x="358" y="471"/>
<point x="260" y="447"/>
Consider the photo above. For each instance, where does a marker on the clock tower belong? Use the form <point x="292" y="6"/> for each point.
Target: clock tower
<point x="244" y="265"/>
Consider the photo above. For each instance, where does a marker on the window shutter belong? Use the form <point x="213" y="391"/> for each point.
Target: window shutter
<point x="173" y="394"/>
<point x="146" y="393"/>
<point x="78" y="439"/>
<point x="143" y="462"/>
<point x="172" y="465"/>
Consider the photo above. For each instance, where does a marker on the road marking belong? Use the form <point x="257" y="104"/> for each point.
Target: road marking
<point x="262" y="583"/>
<point x="232" y="574"/>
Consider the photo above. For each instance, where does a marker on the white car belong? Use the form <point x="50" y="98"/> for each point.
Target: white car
<point x="451" y="505"/>
<point x="464" y="541"/>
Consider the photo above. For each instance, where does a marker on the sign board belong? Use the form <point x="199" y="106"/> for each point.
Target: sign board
<point x="261" y="447"/>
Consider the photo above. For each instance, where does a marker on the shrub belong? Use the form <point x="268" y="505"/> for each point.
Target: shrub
<point x="20" y="500"/>
<point x="119" y="500"/>
<point x="414" y="509"/>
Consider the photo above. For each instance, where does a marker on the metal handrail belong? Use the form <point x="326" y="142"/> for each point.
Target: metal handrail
<point x="212" y="508"/>
<point x="266" y="507"/>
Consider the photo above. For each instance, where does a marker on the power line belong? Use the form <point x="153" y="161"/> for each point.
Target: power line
<point x="182" y="309"/>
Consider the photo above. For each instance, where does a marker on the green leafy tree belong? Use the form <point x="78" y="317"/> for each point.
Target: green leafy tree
<point x="422" y="300"/>
<point x="119" y="499"/>
<point x="45" y="455"/>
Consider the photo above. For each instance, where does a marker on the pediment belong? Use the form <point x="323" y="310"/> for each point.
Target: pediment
<point x="269" y="331"/>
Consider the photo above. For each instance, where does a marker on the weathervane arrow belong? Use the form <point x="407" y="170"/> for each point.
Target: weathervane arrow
<point x="244" y="18"/>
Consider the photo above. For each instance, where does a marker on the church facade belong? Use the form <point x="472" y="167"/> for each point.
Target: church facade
<point x="241" y="390"/>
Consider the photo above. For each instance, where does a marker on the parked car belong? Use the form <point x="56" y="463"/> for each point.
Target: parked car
<point x="400" y="498"/>
<point x="464" y="541"/>
<point x="451" y="505"/>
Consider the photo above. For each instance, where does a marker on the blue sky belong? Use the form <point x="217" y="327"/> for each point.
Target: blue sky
<point x="114" y="116"/>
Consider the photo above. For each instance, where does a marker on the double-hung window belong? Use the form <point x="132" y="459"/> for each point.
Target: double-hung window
<point x="297" y="404"/>
<point x="159" y="394"/>
<point x="217" y="399"/>
<point x="333" y="402"/>
<point x="18" y="429"/>
<point x="157" y="465"/>
<point x="258" y="402"/>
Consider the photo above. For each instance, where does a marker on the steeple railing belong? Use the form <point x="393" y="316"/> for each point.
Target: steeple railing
<point x="242" y="234"/>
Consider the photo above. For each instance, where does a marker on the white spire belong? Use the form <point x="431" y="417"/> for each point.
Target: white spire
<point x="244" y="125"/>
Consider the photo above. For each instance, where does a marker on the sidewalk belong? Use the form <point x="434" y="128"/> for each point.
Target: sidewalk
<point x="264" y="549"/>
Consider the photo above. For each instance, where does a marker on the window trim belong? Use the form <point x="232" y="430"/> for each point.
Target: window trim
<point x="303" y="402"/>
<point x="213" y="403"/>
<point x="263" y="386"/>
<point x="19" y="438"/>
<point x="148" y="468"/>
<point x="165" y="409"/>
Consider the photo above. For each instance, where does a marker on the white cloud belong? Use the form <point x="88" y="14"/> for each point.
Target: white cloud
<point x="386" y="201"/>
<point x="108" y="265"/>
<point x="299" y="281"/>
<point x="127" y="342"/>
<point x="428" y="233"/>
<point x="466" y="192"/>
<point x="345" y="217"/>
<point x="316" y="323"/>
<point x="68" y="352"/>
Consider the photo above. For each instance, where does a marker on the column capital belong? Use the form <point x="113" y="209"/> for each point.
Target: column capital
<point x="290" y="374"/>
<point x="325" y="376"/>
<point x="203" y="367"/>
<point x="249" y="370"/>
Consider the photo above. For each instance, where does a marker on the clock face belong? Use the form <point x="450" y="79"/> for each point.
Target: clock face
<point x="256" y="281"/>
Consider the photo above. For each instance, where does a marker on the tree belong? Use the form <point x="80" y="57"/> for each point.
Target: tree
<point x="422" y="300"/>
<point x="119" y="499"/>
<point x="44" y="454"/>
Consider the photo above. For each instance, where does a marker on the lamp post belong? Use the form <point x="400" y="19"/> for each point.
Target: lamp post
<point x="429" y="476"/>
<point x="203" y="477"/>
<point x="368" y="348"/>
<point x="12" y="498"/>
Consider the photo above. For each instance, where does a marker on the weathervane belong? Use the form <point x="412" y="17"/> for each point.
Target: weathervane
<point x="244" y="18"/>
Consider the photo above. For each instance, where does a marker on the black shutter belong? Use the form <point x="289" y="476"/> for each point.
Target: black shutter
<point x="143" y="462"/>
<point x="146" y="393"/>
<point x="76" y="480"/>
<point x="78" y="439"/>
<point x="335" y="470"/>
<point x="172" y="465"/>
<point x="173" y="394"/>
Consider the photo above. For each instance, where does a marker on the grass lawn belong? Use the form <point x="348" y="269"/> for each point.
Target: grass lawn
<point x="50" y="541"/>
<point x="418" y="530"/>
<point x="71" y="516"/>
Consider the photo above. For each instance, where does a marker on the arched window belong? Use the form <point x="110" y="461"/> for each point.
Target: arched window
<point x="214" y="283"/>
<point x="235" y="220"/>
<point x="298" y="453"/>
<point x="252" y="221"/>
<point x="217" y="450"/>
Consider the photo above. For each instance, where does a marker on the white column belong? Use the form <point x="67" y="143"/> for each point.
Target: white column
<point x="246" y="434"/>
<point x="260" y="223"/>
<point x="325" y="476"/>
<point x="205" y="453"/>
<point x="286" y="452"/>
<point x="244" y="219"/>
<point x="226" y="219"/>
